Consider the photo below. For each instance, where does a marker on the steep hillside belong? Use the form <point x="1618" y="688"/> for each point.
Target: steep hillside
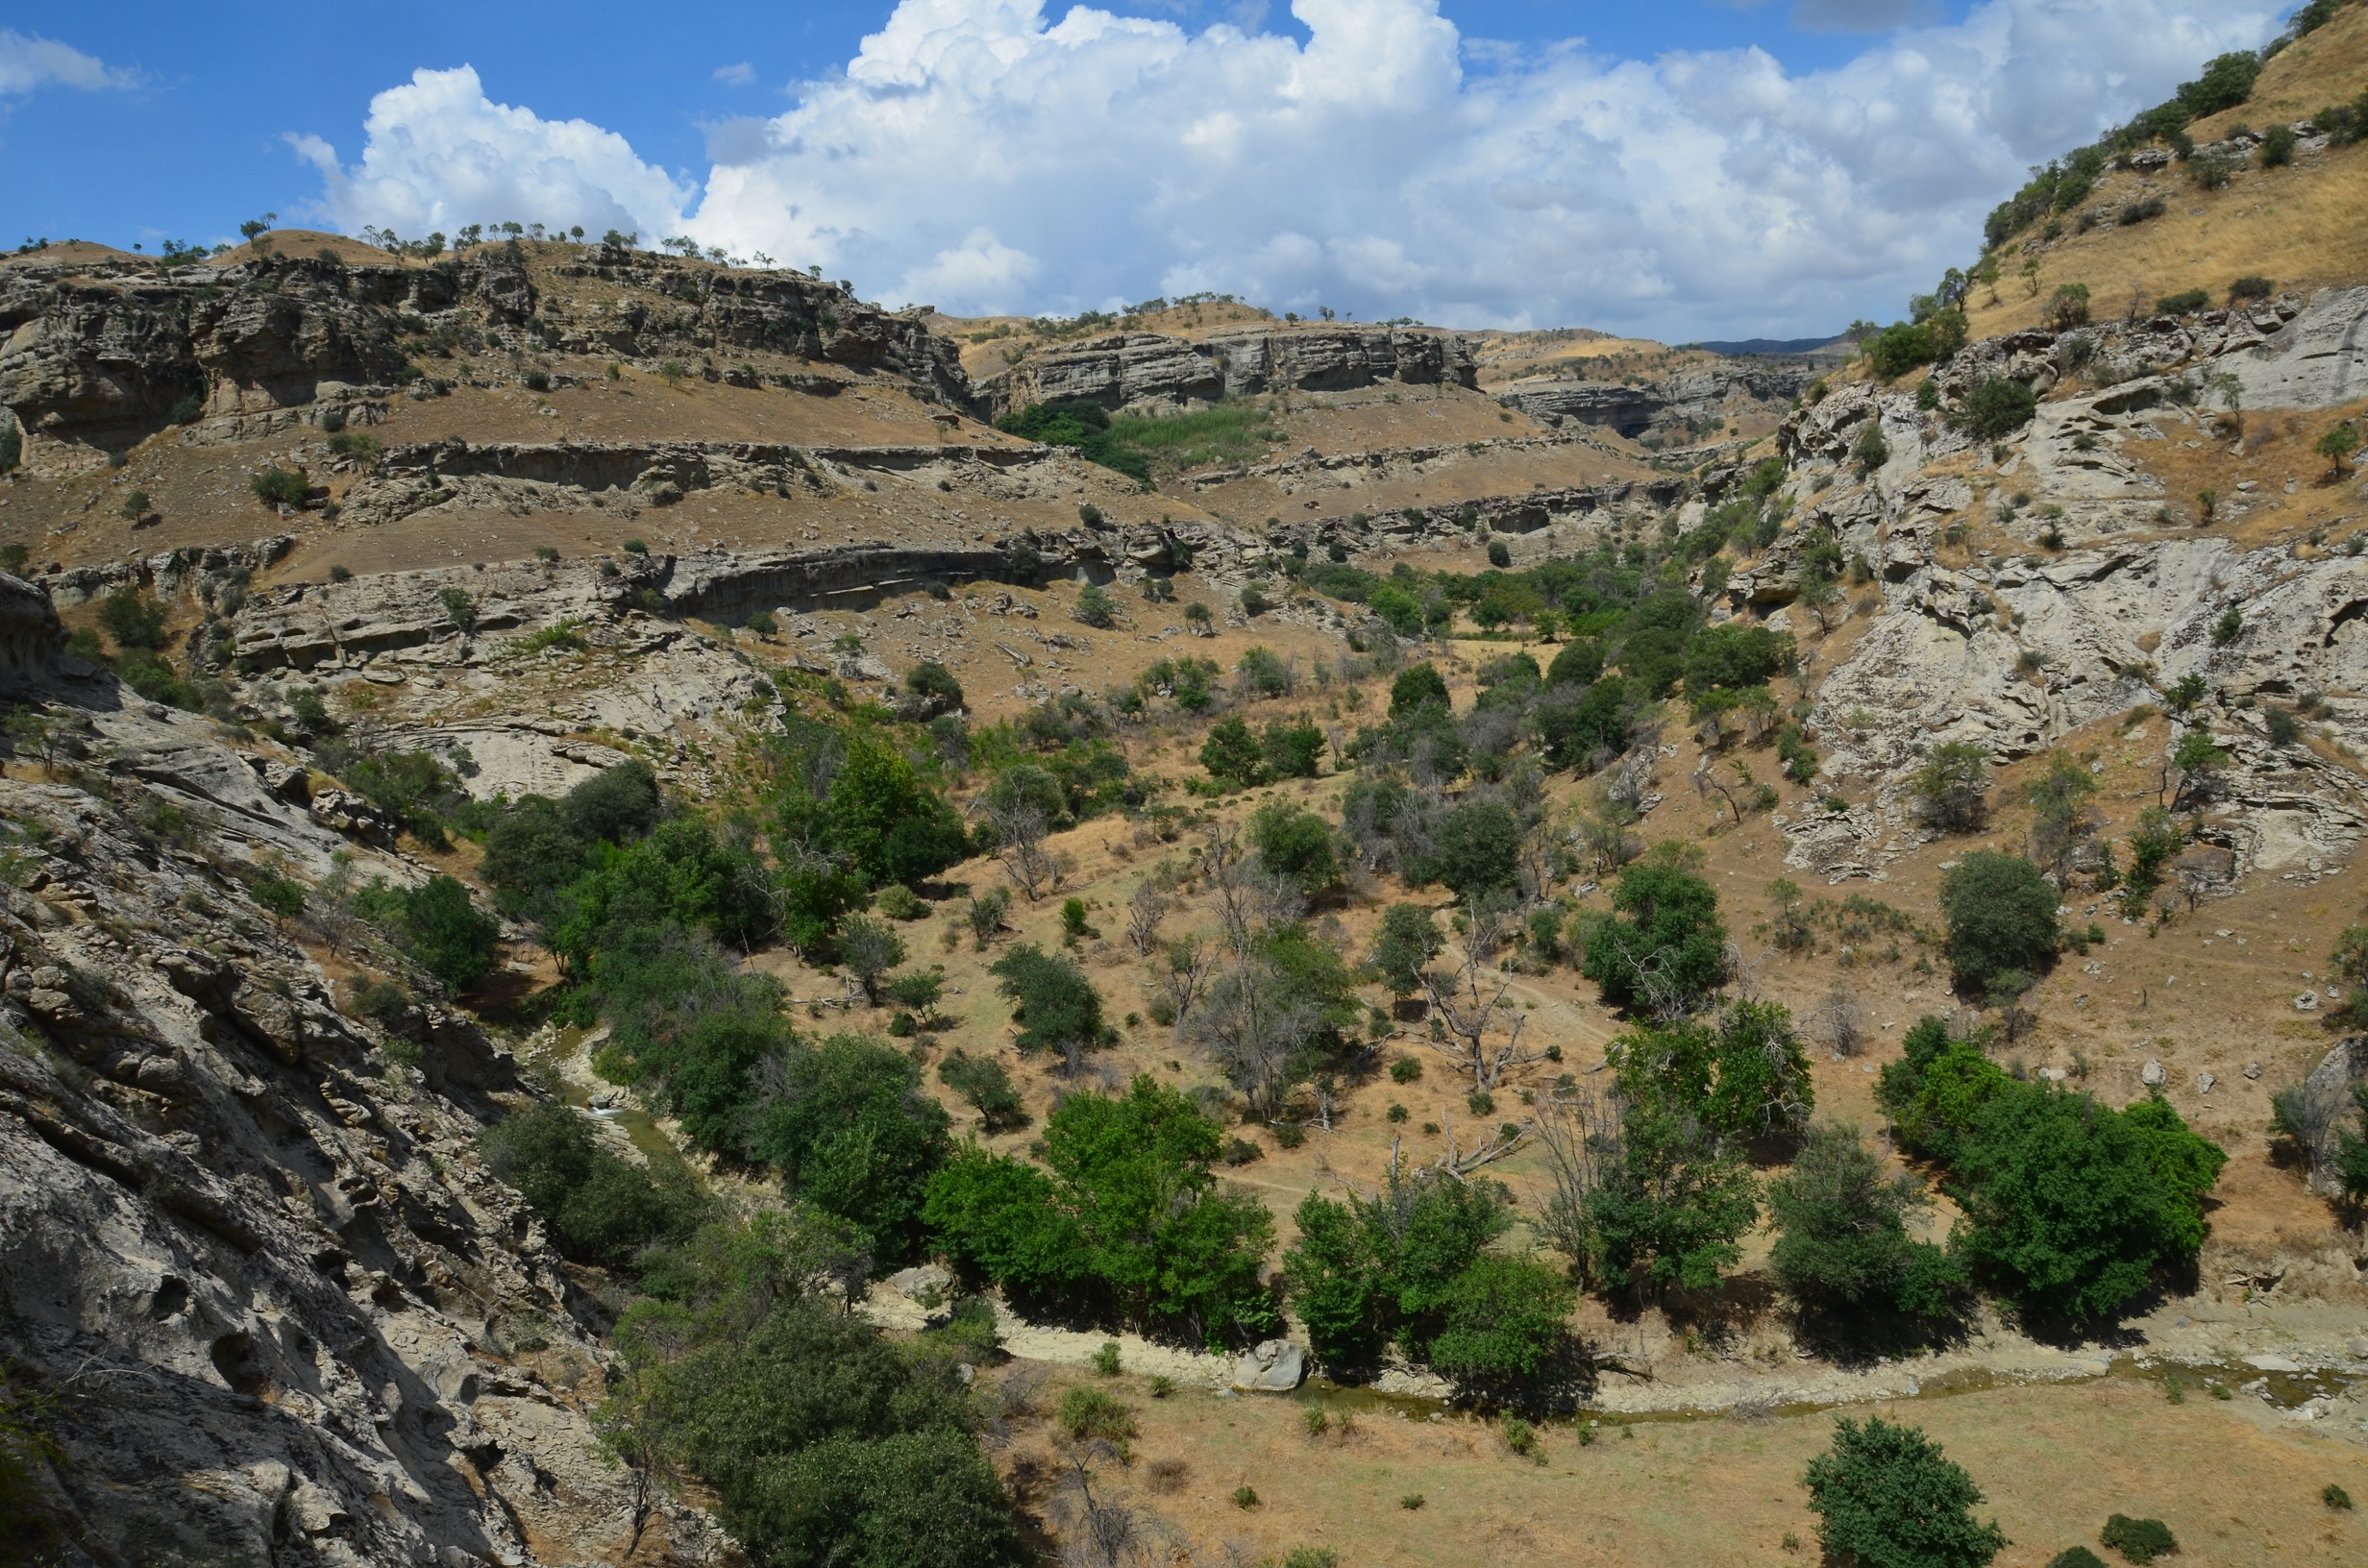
<point x="627" y="922"/>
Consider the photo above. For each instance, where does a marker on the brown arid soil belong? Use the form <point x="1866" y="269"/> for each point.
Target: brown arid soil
<point x="2298" y="226"/>
<point x="2234" y="1487"/>
<point x="1718" y="1402"/>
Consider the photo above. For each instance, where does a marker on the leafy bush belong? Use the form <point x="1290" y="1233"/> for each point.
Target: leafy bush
<point x="1232" y="756"/>
<point x="846" y="1124"/>
<point x="1087" y="1411"/>
<point x="2067" y="308"/>
<point x="418" y="788"/>
<point x="982" y="1082"/>
<point x="1094" y="607"/>
<point x="2000" y="917"/>
<point x="278" y="487"/>
<point x="1885" y="1494"/>
<point x="1952" y="785"/>
<point x="1742" y="1076"/>
<point x="134" y="619"/>
<point x="2185" y="304"/>
<point x="1408" y="940"/>
<point x="1999" y="407"/>
<point x="439" y="925"/>
<point x="1083" y="424"/>
<point x="821" y="1441"/>
<point x="1670" y="1204"/>
<point x="1293" y="749"/>
<point x="1843" y="1243"/>
<point x="601" y="1207"/>
<point x="2251" y="286"/>
<point x="1368" y="1271"/>
<point x="1296" y="843"/>
<point x="2076" y="1557"/>
<point x="1058" y="1007"/>
<point x="2138" y="1540"/>
<point x="1123" y="1217"/>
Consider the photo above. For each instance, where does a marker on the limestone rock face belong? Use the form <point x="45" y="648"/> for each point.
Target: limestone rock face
<point x="95" y="359"/>
<point x="1152" y="370"/>
<point x="1647" y="408"/>
<point x="278" y="1309"/>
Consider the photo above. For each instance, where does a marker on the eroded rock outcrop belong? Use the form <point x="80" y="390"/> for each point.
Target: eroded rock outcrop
<point x="1154" y="371"/>
<point x="270" y="1304"/>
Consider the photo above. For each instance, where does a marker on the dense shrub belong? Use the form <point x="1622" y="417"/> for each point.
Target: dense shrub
<point x="2227" y="81"/>
<point x="2001" y="915"/>
<point x="1233" y="755"/>
<point x="1369" y="1271"/>
<point x="1843" y="1244"/>
<point x="822" y="1441"/>
<point x="1670" y="1204"/>
<point x="1742" y="1074"/>
<point x="1296" y="843"/>
<point x="1887" y="1497"/>
<point x="1663" y="946"/>
<point x="847" y="1124"/>
<point x="1123" y="1217"/>
<point x="1476" y="849"/>
<point x="134" y="619"/>
<point x="2138" y="1540"/>
<point x="1081" y="424"/>
<point x="439" y="925"/>
<point x="601" y="1207"/>
<point x="1735" y="655"/>
<point x="1952" y="787"/>
<point x="1057" y="1006"/>
<point x="987" y="1086"/>
<point x="1999" y="407"/>
<point x="278" y="487"/>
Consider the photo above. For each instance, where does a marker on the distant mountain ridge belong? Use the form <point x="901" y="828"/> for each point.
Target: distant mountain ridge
<point x="1766" y="345"/>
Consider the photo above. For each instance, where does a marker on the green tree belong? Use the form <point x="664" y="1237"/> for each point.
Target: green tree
<point x="1887" y="1497"/>
<point x="1842" y="1245"/>
<point x="1952" y="787"/>
<point x="1476" y="849"/>
<point x="847" y="1125"/>
<point x="1671" y="1205"/>
<point x="439" y="925"/>
<point x="2337" y="445"/>
<point x="1663" y="946"/>
<point x="1415" y="686"/>
<point x="2070" y="1207"/>
<point x="1505" y="1323"/>
<point x="1058" y="1007"/>
<point x="1296" y="843"/>
<point x="880" y="814"/>
<point x="1407" y="941"/>
<point x="870" y="948"/>
<point x="1293" y="749"/>
<point x="1744" y="1075"/>
<point x="1125" y="1216"/>
<point x="2001" y="918"/>
<point x="1232" y="754"/>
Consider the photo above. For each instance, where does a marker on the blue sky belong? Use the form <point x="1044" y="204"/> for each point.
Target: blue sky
<point x="1689" y="168"/>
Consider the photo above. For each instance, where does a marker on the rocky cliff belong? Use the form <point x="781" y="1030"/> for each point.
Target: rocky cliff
<point x="1669" y="409"/>
<point x="257" y="1294"/>
<point x="95" y="360"/>
<point x="1155" y="372"/>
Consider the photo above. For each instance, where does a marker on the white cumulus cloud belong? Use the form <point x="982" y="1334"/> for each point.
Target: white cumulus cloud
<point x="27" y="63"/>
<point x="438" y="154"/>
<point x="984" y="154"/>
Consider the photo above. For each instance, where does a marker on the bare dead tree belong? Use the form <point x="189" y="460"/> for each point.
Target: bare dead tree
<point x="1226" y="866"/>
<point x="1149" y="906"/>
<point x="1459" y="1162"/>
<point x="1017" y="829"/>
<point x="1841" y="1023"/>
<point x="1099" y="1529"/>
<point x="1579" y="1129"/>
<point x="1254" y="1028"/>
<point x="1482" y="1029"/>
<point x="1190" y="963"/>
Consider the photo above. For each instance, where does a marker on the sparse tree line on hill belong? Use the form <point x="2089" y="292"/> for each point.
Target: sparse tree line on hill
<point x="2071" y="1209"/>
